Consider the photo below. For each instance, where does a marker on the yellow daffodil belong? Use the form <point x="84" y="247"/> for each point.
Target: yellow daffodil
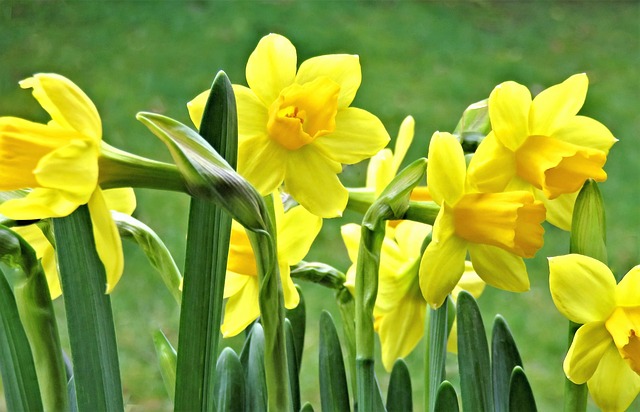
<point x="605" y="351"/>
<point x="400" y="309"/>
<point x="296" y="231"/>
<point x="542" y="145"/>
<point x="497" y="229"/>
<point x="58" y="162"/>
<point x="297" y="127"/>
<point x="121" y="200"/>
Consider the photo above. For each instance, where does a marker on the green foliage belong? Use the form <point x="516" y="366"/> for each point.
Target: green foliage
<point x="446" y="398"/>
<point x="520" y="393"/>
<point x="229" y="384"/>
<point x="399" y="397"/>
<point x="504" y="358"/>
<point x="334" y="395"/>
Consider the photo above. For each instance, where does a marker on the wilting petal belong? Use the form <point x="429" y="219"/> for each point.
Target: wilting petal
<point x="499" y="268"/>
<point x="312" y="180"/>
<point x="358" y="135"/>
<point x="38" y="204"/>
<point x="509" y="105"/>
<point x="589" y="344"/>
<point x="343" y="69"/>
<point x="44" y="251"/>
<point x="68" y="106"/>
<point x="628" y="290"/>
<point x="403" y="141"/>
<point x="107" y="239"/>
<point x="271" y="67"/>
<point x="492" y="166"/>
<point x="583" y="289"/>
<point x="446" y="168"/>
<point x="241" y="309"/>
<point x="614" y="385"/>
<point x="121" y="200"/>
<point x="553" y="107"/>
<point x="262" y="162"/>
<point x="587" y="132"/>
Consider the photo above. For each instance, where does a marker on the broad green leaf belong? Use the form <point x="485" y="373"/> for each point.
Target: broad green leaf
<point x="307" y="407"/>
<point x="256" y="391"/>
<point x="446" y="398"/>
<point x="167" y="358"/>
<point x="399" y="396"/>
<point x="437" y="320"/>
<point x="292" y="363"/>
<point x="334" y="394"/>
<point x="297" y="317"/>
<point x="520" y="393"/>
<point x="504" y="357"/>
<point x="229" y="385"/>
<point x="473" y="357"/>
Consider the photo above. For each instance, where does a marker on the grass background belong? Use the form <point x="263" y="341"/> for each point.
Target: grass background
<point x="427" y="59"/>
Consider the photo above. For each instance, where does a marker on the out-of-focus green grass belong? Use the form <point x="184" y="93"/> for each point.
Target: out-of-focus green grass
<point x="426" y="59"/>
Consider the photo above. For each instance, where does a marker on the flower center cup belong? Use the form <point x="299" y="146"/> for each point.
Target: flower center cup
<point x="624" y="327"/>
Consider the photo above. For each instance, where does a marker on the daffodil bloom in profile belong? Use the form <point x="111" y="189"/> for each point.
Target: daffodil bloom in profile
<point x="400" y="309"/>
<point x="541" y="144"/>
<point x="496" y="229"/>
<point x="605" y="351"/>
<point x="297" y="126"/>
<point x="296" y="230"/>
<point x="121" y="200"/>
<point x="58" y="162"/>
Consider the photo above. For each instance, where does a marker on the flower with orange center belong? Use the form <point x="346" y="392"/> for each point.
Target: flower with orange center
<point x="296" y="127"/>
<point x="496" y="229"/>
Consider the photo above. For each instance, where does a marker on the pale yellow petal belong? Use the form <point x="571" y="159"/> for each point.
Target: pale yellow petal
<point x="492" y="166"/>
<point x="241" y="309"/>
<point x="44" y="251"/>
<point x="196" y="107"/>
<point x="107" y="239"/>
<point x="343" y="69"/>
<point x="553" y="107"/>
<point x="296" y="233"/>
<point x="446" y="168"/>
<point x="470" y="282"/>
<point x="614" y="386"/>
<point x="351" y="238"/>
<point x="589" y="344"/>
<point x="583" y="289"/>
<point x="121" y="200"/>
<point x="66" y="103"/>
<point x="509" y="105"/>
<point x="234" y="282"/>
<point x="40" y="203"/>
<point x="358" y="135"/>
<point x="271" y="67"/>
<point x="380" y="171"/>
<point x="410" y="235"/>
<point x="253" y="116"/>
<point x="403" y="141"/>
<point x="262" y="162"/>
<point x="289" y="291"/>
<point x="586" y="132"/>
<point x="628" y="290"/>
<point x="499" y="268"/>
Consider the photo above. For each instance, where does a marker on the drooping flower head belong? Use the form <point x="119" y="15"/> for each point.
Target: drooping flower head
<point x="296" y="231"/>
<point x="605" y="351"/>
<point x="58" y="163"/>
<point x="297" y="126"/>
<point x="541" y="144"/>
<point x="497" y="229"/>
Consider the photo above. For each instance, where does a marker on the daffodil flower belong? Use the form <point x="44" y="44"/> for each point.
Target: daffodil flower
<point x="497" y="229"/>
<point x="542" y="145"/>
<point x="58" y="162"/>
<point x="400" y="309"/>
<point x="297" y="127"/>
<point x="121" y="200"/>
<point x="605" y="351"/>
<point x="296" y="231"/>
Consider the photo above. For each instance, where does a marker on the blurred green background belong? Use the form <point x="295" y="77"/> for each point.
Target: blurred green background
<point x="427" y="59"/>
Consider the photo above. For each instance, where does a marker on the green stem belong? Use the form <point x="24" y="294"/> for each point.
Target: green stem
<point x="435" y="354"/>
<point x="575" y="396"/>
<point x="346" y="305"/>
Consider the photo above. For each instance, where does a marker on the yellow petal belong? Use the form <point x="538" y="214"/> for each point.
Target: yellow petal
<point x="614" y="385"/>
<point x="589" y="344"/>
<point x="296" y="233"/>
<point x="234" y="282"/>
<point x="241" y="259"/>
<point x="196" y="107"/>
<point x="409" y="235"/>
<point x="68" y="106"/>
<point x="452" y="340"/>
<point x="271" y="67"/>
<point x="624" y="327"/>
<point x="380" y="171"/>
<point x="470" y="282"/>
<point x="403" y="141"/>
<point x="446" y="168"/>
<point x="44" y="251"/>
<point x="308" y="170"/>
<point x="121" y="200"/>
<point x="107" y="239"/>
<point x="40" y="203"/>
<point x="252" y="114"/>
<point x="560" y="209"/>
<point x="358" y="135"/>
<point x="583" y="289"/>
<point x="343" y="69"/>
<point x="509" y="105"/>
<point x="289" y="291"/>
<point x="262" y="162"/>
<point x="628" y="290"/>
<point x="553" y="107"/>
<point x="241" y="309"/>
<point x="492" y="166"/>
<point x="442" y="264"/>
<point x="587" y="132"/>
<point x="499" y="268"/>
<point x="351" y="238"/>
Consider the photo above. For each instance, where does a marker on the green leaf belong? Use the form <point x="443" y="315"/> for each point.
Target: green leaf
<point x="167" y="359"/>
<point x="399" y="392"/>
<point x="292" y="363"/>
<point x="446" y="398"/>
<point x="504" y="357"/>
<point x="334" y="394"/>
<point x="19" y="378"/>
<point x="307" y="407"/>
<point x="89" y="317"/>
<point x="256" y="392"/>
<point x="297" y="317"/>
<point x="229" y="385"/>
<point x="208" y="236"/>
<point x="473" y="357"/>
<point x="520" y="393"/>
<point x="438" y="320"/>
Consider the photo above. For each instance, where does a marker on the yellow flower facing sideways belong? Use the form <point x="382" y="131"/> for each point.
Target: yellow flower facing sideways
<point x="541" y="144"/>
<point x="400" y="309"/>
<point x="297" y="127"/>
<point x="496" y="229"/>
<point x="121" y="200"/>
<point x="58" y="162"/>
<point x="296" y="231"/>
<point x="605" y="351"/>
